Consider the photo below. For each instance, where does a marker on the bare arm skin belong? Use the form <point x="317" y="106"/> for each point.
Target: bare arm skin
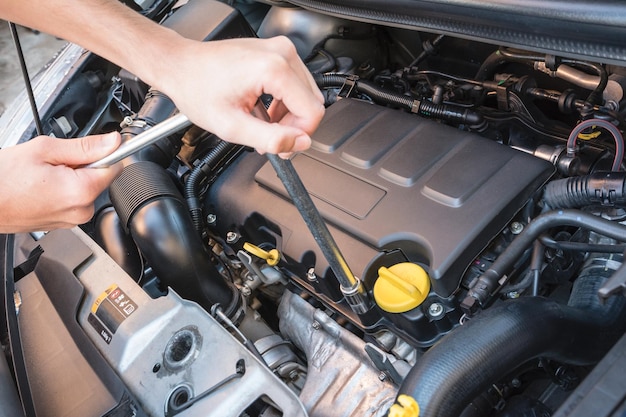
<point x="41" y="186"/>
<point x="207" y="81"/>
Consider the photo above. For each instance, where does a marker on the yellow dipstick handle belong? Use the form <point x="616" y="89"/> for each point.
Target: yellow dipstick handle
<point x="272" y="257"/>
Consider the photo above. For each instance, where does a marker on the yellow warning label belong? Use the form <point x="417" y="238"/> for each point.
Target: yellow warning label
<point x="102" y="297"/>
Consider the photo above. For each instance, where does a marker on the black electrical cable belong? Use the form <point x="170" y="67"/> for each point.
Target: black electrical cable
<point x="27" y="84"/>
<point x="497" y="116"/>
<point x="414" y="75"/>
<point x="430" y="48"/>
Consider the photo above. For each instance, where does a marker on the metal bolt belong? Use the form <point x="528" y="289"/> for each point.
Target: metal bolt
<point x="382" y="376"/>
<point x="310" y="274"/>
<point x="211" y="218"/>
<point x="513" y="294"/>
<point x="126" y="121"/>
<point x="435" y="310"/>
<point x="516" y="383"/>
<point x="516" y="228"/>
<point x="232" y="237"/>
<point x="293" y="374"/>
<point x="316" y="325"/>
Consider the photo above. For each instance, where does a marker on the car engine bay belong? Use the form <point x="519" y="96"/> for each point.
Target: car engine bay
<point x="471" y="173"/>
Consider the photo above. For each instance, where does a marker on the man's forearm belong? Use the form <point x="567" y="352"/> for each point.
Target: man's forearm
<point x="215" y="84"/>
<point x="106" y="27"/>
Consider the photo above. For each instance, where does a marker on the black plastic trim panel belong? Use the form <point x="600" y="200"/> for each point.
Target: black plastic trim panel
<point x="576" y="28"/>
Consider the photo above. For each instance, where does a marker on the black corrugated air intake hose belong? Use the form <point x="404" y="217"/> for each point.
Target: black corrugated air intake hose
<point x="447" y="112"/>
<point x="110" y="233"/>
<point x="599" y="188"/>
<point x="152" y="209"/>
<point x="489" y="346"/>
<point x="201" y="171"/>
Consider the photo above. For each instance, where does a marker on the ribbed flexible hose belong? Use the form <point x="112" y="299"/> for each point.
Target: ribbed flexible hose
<point x="154" y="212"/>
<point x="198" y="174"/>
<point x="471" y="358"/>
<point x="602" y="188"/>
<point x="425" y="108"/>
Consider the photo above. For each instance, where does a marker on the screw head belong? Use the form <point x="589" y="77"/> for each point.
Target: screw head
<point x="232" y="237"/>
<point x="211" y="218"/>
<point x="316" y="325"/>
<point x="516" y="228"/>
<point x="435" y="310"/>
<point x="382" y="376"/>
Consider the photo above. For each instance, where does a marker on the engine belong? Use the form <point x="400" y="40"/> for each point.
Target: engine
<point x="475" y="190"/>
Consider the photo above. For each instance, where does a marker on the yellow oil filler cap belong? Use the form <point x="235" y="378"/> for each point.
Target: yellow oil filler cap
<point x="405" y="406"/>
<point x="401" y="287"/>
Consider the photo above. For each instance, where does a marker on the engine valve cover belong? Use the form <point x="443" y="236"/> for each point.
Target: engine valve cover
<point x="386" y="180"/>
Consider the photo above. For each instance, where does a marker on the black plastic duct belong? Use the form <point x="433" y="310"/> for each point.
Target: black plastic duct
<point x="154" y="212"/>
<point x="466" y="361"/>
<point x="111" y="236"/>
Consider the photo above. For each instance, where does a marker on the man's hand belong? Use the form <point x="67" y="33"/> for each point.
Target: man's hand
<point x="43" y="186"/>
<point x="216" y="85"/>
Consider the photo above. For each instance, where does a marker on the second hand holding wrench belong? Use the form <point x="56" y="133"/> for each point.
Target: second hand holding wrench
<point x="143" y="139"/>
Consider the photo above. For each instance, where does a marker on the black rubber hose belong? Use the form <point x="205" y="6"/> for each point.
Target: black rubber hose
<point x="153" y="210"/>
<point x="485" y="349"/>
<point x="490" y="65"/>
<point x="580" y="246"/>
<point x="365" y="87"/>
<point x="192" y="186"/>
<point x="425" y="108"/>
<point x="451" y="113"/>
<point x="601" y="188"/>
<point x="482" y="288"/>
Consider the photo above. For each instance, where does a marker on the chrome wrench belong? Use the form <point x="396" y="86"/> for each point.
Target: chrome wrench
<point x="147" y="138"/>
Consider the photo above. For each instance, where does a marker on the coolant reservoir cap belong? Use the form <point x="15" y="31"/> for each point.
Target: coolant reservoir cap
<point x="401" y="287"/>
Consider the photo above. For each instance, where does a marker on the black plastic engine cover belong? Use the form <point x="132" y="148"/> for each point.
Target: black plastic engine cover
<point x="384" y="180"/>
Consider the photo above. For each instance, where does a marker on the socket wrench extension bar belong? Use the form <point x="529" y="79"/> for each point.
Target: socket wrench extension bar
<point x="351" y="286"/>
